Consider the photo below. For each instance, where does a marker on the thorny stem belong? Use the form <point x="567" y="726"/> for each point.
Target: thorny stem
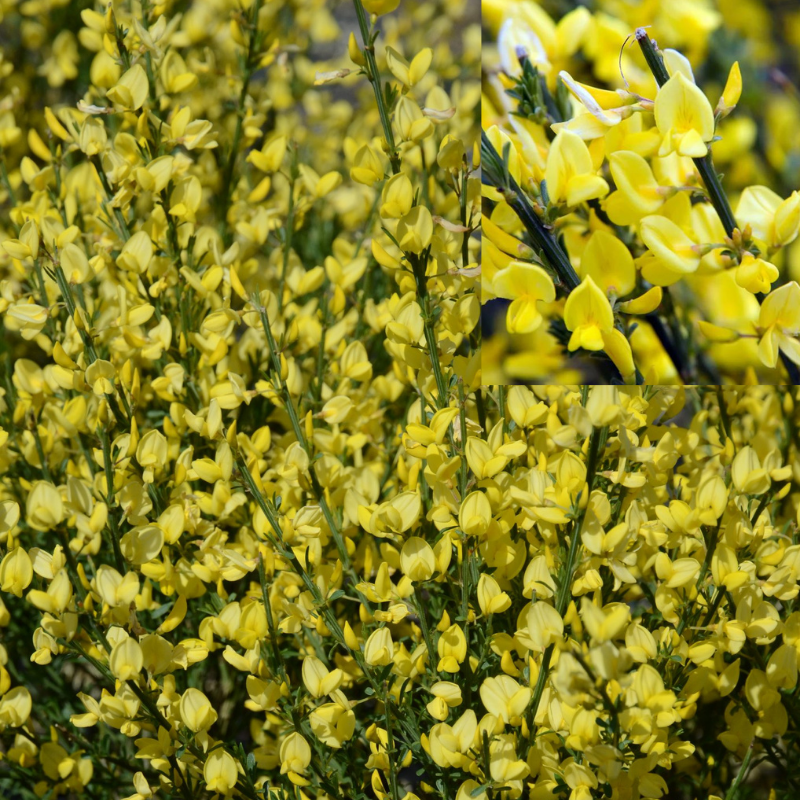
<point x="375" y="80"/>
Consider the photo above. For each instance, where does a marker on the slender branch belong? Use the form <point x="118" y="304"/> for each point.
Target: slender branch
<point x="564" y="590"/>
<point x="288" y="228"/>
<point x="390" y="751"/>
<point x="227" y="179"/>
<point x="705" y="165"/>
<point x="495" y="175"/>
<point x="319" y="492"/>
<point x="375" y="80"/>
<point x="418" y="263"/>
<point x="723" y="412"/>
<point x="733" y="792"/>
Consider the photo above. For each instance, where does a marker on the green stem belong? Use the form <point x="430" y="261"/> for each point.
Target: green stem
<point x="279" y="664"/>
<point x="322" y="606"/>
<point x="464" y="220"/>
<point x="564" y="591"/>
<point x="760" y="508"/>
<point x="390" y="745"/>
<point x="418" y="263"/>
<point x="120" y="561"/>
<point x="423" y="624"/>
<point x="733" y="792"/>
<point x="227" y="176"/>
<point x="11" y="196"/>
<point x="375" y="80"/>
<point x="288" y="230"/>
<point x="705" y="166"/>
<point x="40" y="450"/>
<point x="604" y="696"/>
<point x="497" y="176"/>
<point x="124" y="230"/>
<point x="91" y="353"/>
<point x="298" y="432"/>
<point x="723" y="412"/>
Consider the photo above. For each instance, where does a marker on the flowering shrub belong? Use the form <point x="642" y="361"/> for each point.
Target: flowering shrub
<point x="264" y="534"/>
<point x="609" y="234"/>
<point x="237" y="261"/>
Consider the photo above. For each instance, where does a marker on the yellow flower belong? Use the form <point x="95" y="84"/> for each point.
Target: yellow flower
<point x="317" y="679"/>
<point x="675" y="253"/>
<point x="380" y="6"/>
<point x="16" y="571"/>
<point x="131" y="90"/>
<point x="417" y="559"/>
<point x="409" y="74"/>
<point x="415" y="230"/>
<point x="126" y="659"/>
<point x="196" y="710"/>
<point x="638" y="193"/>
<point x="609" y="263"/>
<point x="505" y="698"/>
<point x="475" y="514"/>
<point x="570" y="174"/>
<point x="684" y="118"/>
<point x="779" y="322"/>
<point x="490" y="598"/>
<point x="333" y="723"/>
<point x="731" y="93"/>
<point x="773" y="221"/>
<point x="220" y="772"/>
<point x="525" y="285"/>
<point x="543" y="626"/>
<point x="44" y="508"/>
<point x="379" y="648"/>
<point x="452" y="649"/>
<point x="588" y="315"/>
<point x="755" y="274"/>
<point x="295" y="756"/>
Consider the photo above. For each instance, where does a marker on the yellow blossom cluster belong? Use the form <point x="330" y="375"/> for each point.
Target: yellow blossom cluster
<point x="237" y="259"/>
<point x="609" y="233"/>
<point x="265" y="534"/>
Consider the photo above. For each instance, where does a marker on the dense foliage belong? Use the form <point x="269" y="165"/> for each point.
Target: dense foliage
<point x="264" y="533"/>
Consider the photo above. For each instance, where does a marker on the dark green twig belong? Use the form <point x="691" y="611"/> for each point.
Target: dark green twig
<point x="705" y="166"/>
<point x="495" y="175"/>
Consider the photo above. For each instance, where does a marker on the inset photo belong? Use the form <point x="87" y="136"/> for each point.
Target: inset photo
<point x="640" y="168"/>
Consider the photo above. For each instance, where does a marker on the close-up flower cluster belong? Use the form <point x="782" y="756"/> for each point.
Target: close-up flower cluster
<point x="615" y="249"/>
<point x="269" y="529"/>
